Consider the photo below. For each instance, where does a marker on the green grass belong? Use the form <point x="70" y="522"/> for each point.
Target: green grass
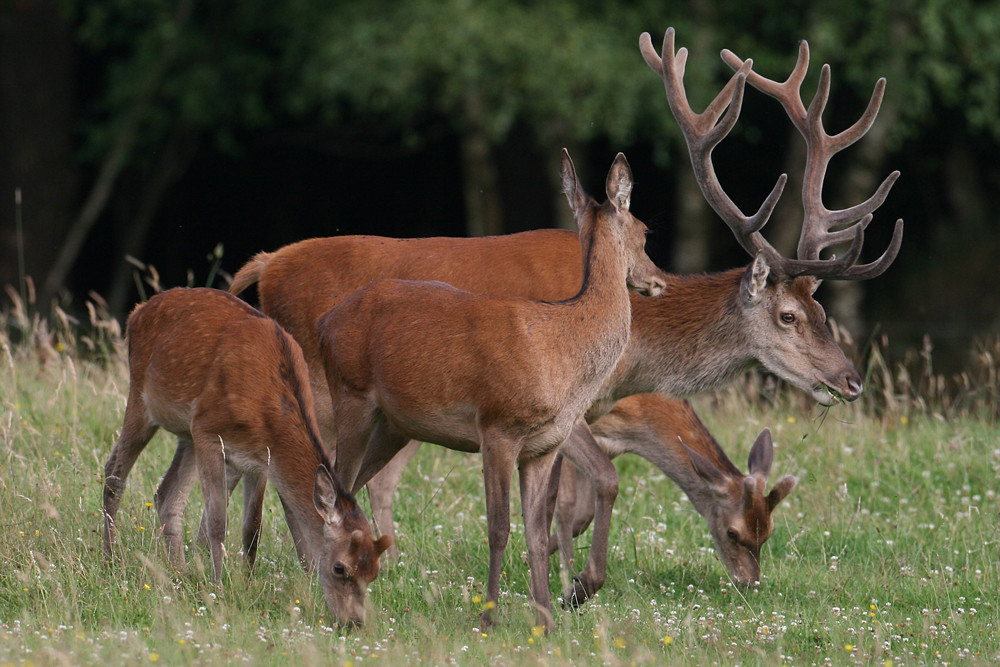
<point x="886" y="553"/>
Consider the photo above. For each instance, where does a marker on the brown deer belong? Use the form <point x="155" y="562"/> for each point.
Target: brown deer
<point x="501" y="375"/>
<point x="697" y="335"/>
<point x="668" y="433"/>
<point x="233" y="387"/>
<point x="718" y="324"/>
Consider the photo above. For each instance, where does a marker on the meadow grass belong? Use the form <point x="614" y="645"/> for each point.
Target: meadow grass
<point x="885" y="554"/>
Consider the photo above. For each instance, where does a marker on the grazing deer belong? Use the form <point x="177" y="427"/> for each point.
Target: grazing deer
<point x="233" y="387"/>
<point x="501" y="375"/>
<point x="668" y="433"/>
<point x="697" y="335"/>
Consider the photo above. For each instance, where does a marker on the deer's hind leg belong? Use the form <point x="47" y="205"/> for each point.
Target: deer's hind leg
<point x="171" y="499"/>
<point x="137" y="430"/>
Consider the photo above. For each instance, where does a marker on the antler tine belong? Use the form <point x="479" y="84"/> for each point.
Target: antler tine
<point x="878" y="267"/>
<point x="819" y="222"/>
<point x="814" y="240"/>
<point x="703" y="132"/>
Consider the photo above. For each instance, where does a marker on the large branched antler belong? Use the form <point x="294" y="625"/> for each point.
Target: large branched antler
<point x="702" y="132"/>
<point x="820" y="224"/>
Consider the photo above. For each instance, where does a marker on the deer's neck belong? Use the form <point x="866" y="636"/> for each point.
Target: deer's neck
<point x="297" y="452"/>
<point x="692" y="338"/>
<point x="596" y="322"/>
<point x="655" y="430"/>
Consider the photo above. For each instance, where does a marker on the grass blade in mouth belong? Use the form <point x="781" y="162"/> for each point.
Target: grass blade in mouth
<point x="837" y="396"/>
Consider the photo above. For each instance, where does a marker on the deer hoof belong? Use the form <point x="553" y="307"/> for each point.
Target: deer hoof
<point x="577" y="595"/>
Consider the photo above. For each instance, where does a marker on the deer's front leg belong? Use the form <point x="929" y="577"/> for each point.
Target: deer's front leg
<point x="171" y="498"/>
<point x="253" y="509"/>
<point x="584" y="452"/>
<point x="382" y="488"/>
<point x="210" y="455"/>
<point x="534" y="478"/>
<point x="355" y="418"/>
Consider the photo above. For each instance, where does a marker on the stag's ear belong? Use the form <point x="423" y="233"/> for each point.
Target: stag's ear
<point x="755" y="279"/>
<point x="325" y="496"/>
<point x="780" y="490"/>
<point x="619" y="184"/>
<point x="571" y="185"/>
<point x="761" y="455"/>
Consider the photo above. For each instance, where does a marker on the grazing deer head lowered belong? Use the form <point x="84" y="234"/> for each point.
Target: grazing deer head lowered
<point x="233" y="387"/>
<point x="669" y="434"/>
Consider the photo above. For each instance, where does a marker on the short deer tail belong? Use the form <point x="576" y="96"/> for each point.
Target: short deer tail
<point x="250" y="272"/>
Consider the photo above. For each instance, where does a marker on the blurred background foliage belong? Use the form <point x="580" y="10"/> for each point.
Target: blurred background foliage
<point x="159" y="129"/>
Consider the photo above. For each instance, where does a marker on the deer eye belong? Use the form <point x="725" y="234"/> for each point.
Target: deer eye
<point x="338" y="569"/>
<point x="731" y="534"/>
<point x="788" y="318"/>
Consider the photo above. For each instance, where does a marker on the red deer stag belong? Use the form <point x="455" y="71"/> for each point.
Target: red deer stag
<point x="668" y="433"/>
<point x="701" y="332"/>
<point x="501" y="375"/>
<point x="705" y="328"/>
<point x="233" y="387"/>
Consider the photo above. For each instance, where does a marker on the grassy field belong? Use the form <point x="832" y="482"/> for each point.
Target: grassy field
<point x="886" y="553"/>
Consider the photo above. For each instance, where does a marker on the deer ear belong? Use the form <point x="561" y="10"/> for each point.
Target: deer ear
<point x="780" y="490"/>
<point x="571" y="185"/>
<point x="751" y="484"/>
<point x="325" y="496"/>
<point x="707" y="470"/>
<point x="761" y="455"/>
<point x="382" y="543"/>
<point x="755" y="279"/>
<point x="619" y="184"/>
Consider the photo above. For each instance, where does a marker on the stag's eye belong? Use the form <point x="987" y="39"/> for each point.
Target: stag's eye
<point x="338" y="569"/>
<point x="788" y="318"/>
<point x="731" y="534"/>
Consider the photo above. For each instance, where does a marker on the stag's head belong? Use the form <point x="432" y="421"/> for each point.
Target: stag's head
<point x="791" y="332"/>
<point x="348" y="558"/>
<point x="740" y="521"/>
<point x="643" y="276"/>
<point x="790" y="335"/>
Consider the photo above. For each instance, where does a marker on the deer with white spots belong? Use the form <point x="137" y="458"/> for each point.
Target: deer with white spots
<point x="233" y="387"/>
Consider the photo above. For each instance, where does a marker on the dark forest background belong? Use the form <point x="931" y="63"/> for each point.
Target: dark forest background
<point x="163" y="130"/>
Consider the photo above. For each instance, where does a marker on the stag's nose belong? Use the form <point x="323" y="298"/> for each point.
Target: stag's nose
<point x="854" y="386"/>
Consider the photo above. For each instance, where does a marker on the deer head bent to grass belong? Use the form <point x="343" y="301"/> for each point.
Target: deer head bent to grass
<point x="669" y="434"/>
<point x="233" y="387"/>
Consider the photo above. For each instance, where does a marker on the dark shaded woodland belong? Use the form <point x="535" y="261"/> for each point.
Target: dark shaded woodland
<point x="160" y="130"/>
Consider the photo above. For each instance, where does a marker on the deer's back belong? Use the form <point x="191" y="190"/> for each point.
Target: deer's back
<point x="303" y="280"/>
<point x="203" y="351"/>
<point x="480" y="357"/>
